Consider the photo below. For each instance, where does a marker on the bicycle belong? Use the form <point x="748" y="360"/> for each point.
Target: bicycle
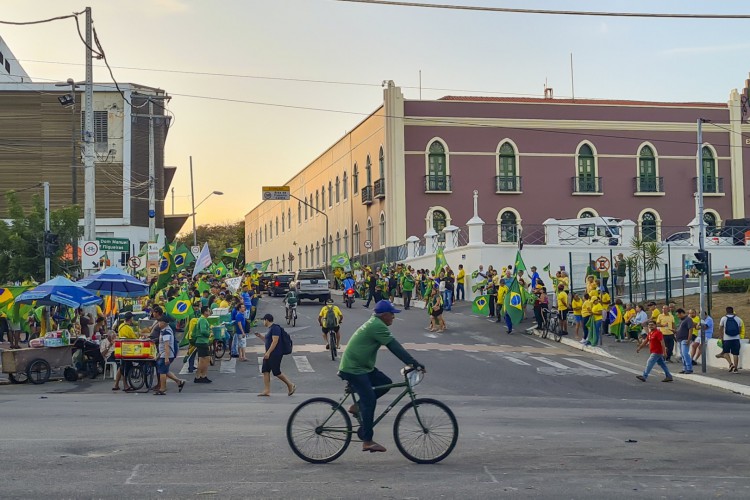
<point x="332" y="344"/>
<point x="141" y="373"/>
<point x="291" y="314"/>
<point x="552" y="325"/>
<point x="425" y="430"/>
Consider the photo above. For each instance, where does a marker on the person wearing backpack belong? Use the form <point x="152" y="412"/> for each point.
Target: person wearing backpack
<point x="330" y="319"/>
<point x="732" y="328"/>
<point x="277" y="341"/>
<point x="169" y="347"/>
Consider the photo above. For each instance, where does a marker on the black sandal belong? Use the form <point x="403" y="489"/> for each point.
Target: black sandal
<point x="181" y="385"/>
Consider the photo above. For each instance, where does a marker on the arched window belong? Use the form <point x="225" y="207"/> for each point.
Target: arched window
<point x="317" y="252"/>
<point x="369" y="231"/>
<point x="381" y="163"/>
<point x="437" y="168"/>
<point x="307" y="259"/>
<point x="299" y="212"/>
<point x="507" y="176"/>
<point x="346" y="187"/>
<point x="330" y="194"/>
<point x="355" y="180"/>
<point x="355" y="240"/>
<point x="648" y="182"/>
<point x="346" y="241"/>
<point x="709" y="218"/>
<point x="439" y="221"/>
<point x="277" y="263"/>
<point x="368" y="172"/>
<point x="338" y="242"/>
<point x="256" y="238"/>
<point x="338" y="187"/>
<point x="381" y="230"/>
<point x="508" y="227"/>
<point x="322" y="197"/>
<point x="586" y="180"/>
<point x="265" y="228"/>
<point x="330" y="249"/>
<point x="710" y="182"/>
<point x="317" y="200"/>
<point x="587" y="214"/>
<point x="649" y="231"/>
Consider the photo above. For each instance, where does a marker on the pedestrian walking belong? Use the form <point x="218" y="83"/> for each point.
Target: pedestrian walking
<point x="683" y="337"/>
<point x="201" y="336"/>
<point x="732" y="328"/>
<point x="657" y="348"/>
<point x="167" y="354"/>
<point x="273" y="357"/>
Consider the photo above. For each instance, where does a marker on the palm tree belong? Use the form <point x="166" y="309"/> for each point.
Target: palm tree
<point x="653" y="259"/>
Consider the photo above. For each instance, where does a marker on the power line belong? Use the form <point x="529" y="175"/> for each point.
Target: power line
<point x="509" y="10"/>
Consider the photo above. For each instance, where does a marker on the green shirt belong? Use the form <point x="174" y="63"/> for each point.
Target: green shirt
<point x="202" y="331"/>
<point x="362" y="349"/>
<point x="407" y="283"/>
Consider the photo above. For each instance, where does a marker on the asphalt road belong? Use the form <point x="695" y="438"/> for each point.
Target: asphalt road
<point x="537" y="420"/>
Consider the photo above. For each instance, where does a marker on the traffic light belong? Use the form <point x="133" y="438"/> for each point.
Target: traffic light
<point x="701" y="261"/>
<point x="51" y="244"/>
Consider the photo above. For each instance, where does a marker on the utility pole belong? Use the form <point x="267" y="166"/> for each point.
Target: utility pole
<point x="46" y="231"/>
<point x="701" y="237"/>
<point x="89" y="210"/>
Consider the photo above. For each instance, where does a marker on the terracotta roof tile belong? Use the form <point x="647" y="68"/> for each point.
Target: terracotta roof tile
<point x="595" y="102"/>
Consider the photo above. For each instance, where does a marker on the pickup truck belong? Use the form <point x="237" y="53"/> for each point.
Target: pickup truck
<point x="312" y="284"/>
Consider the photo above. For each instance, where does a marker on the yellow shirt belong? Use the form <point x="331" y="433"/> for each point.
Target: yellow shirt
<point x="655" y="315"/>
<point x="596" y="311"/>
<point x="696" y="325"/>
<point x="563" y="280"/>
<point x="594" y="293"/>
<point x="629" y="314"/>
<point x="126" y="332"/>
<point x="562" y="301"/>
<point x="336" y="312"/>
<point x="606" y="299"/>
<point x="666" y="323"/>
<point x="590" y="286"/>
<point x="501" y="293"/>
<point x="224" y="304"/>
<point x="460" y="276"/>
<point x="576" y="305"/>
<point x="586" y="308"/>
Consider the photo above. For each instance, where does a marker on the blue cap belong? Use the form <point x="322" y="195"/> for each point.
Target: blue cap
<point x="385" y="306"/>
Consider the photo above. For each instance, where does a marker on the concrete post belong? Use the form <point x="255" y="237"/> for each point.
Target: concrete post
<point x="412" y="244"/>
<point x="430" y="238"/>
<point x="450" y="236"/>
<point x="694" y="232"/>
<point x="551" y="232"/>
<point x="627" y="232"/>
<point x="476" y="224"/>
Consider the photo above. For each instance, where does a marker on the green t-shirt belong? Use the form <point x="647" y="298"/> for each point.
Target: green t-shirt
<point x="407" y="283"/>
<point x="202" y="331"/>
<point x="362" y="349"/>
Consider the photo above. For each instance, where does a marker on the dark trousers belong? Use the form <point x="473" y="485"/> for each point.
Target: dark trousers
<point x="604" y="284"/>
<point x="460" y="295"/>
<point x="407" y="299"/>
<point x="669" y="342"/>
<point x="538" y="317"/>
<point x="508" y="323"/>
<point x="371" y="297"/>
<point x="491" y="300"/>
<point x="363" y="386"/>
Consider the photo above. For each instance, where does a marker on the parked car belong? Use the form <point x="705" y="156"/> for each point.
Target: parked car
<point x="591" y="230"/>
<point x="265" y="278"/>
<point x="279" y="285"/>
<point x="715" y="237"/>
<point x="312" y="284"/>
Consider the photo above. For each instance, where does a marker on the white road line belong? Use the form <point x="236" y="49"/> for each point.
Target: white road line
<point x="550" y="362"/>
<point x="260" y="364"/>
<point x="184" y="369"/>
<point x="516" y="361"/>
<point x="303" y="365"/>
<point x="589" y="365"/>
<point x="228" y="366"/>
<point x="629" y="370"/>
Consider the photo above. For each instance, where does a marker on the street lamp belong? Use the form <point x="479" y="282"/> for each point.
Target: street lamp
<point x="217" y="193"/>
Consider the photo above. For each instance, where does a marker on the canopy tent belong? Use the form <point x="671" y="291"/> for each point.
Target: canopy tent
<point x="59" y="290"/>
<point x="116" y="282"/>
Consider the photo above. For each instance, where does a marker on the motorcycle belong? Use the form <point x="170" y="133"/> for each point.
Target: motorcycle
<point x="349" y="297"/>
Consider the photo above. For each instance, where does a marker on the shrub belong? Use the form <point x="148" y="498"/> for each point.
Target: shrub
<point x="731" y="285"/>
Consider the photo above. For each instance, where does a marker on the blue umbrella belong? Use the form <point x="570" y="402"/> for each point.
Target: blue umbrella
<point x="59" y="290"/>
<point x="114" y="281"/>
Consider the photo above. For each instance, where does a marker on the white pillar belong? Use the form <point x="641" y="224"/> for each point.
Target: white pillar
<point x="430" y="238"/>
<point x="450" y="233"/>
<point x="627" y="232"/>
<point x="476" y="224"/>
<point x="694" y="232"/>
<point x="736" y="139"/>
<point x="412" y="245"/>
<point x="551" y="232"/>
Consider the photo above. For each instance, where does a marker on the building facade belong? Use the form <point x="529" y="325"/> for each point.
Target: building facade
<point x="529" y="159"/>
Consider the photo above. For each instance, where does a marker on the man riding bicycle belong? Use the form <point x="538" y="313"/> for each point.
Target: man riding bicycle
<point x="358" y="367"/>
<point x="290" y="301"/>
<point x="330" y="319"/>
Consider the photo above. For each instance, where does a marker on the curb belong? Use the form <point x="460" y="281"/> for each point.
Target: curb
<point x="741" y="389"/>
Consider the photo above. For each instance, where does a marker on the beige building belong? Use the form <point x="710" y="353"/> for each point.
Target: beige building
<point x="348" y="184"/>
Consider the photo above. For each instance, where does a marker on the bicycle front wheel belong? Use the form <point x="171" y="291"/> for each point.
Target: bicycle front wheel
<point x="332" y="345"/>
<point x="136" y="376"/>
<point x="425" y="431"/>
<point x="219" y="350"/>
<point x="556" y="331"/>
<point x="319" y="431"/>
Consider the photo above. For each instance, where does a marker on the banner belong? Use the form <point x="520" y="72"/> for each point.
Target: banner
<point x="233" y="284"/>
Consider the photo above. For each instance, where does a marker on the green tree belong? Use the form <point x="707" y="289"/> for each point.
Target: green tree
<point x="22" y="240"/>
<point x="218" y="236"/>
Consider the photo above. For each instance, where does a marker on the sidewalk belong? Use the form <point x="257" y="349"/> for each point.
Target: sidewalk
<point x="738" y="383"/>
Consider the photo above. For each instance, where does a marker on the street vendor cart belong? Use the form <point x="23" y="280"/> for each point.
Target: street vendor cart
<point x="36" y="364"/>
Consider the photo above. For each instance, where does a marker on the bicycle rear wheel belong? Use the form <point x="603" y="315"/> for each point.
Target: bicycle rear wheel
<point x="294" y="318"/>
<point x="555" y="325"/>
<point x="319" y="430"/>
<point x="219" y="350"/>
<point x="136" y="376"/>
<point x="332" y="345"/>
<point x="425" y="431"/>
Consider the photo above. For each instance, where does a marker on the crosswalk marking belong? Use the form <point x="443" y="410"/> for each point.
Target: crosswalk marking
<point x="303" y="365"/>
<point x="550" y="362"/>
<point x="589" y="365"/>
<point x="629" y="370"/>
<point x="516" y="361"/>
<point x="228" y="366"/>
<point x="184" y="370"/>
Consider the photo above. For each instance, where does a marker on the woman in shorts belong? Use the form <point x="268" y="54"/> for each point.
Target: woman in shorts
<point x="575" y="305"/>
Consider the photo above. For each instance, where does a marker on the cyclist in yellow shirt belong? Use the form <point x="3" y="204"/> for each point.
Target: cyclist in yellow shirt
<point x="576" y="304"/>
<point x="330" y="319"/>
<point x="562" y="308"/>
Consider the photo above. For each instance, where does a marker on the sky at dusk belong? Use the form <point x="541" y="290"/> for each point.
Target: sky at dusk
<point x="239" y="146"/>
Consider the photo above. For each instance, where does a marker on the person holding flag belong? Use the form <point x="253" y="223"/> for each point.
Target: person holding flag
<point x="513" y="305"/>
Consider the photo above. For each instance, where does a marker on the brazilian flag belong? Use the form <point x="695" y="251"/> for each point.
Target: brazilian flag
<point x="440" y="261"/>
<point x="616" y="323"/>
<point x="231" y="252"/>
<point x="481" y="305"/>
<point x="166" y="270"/>
<point x="180" y="308"/>
<point x="518" y="264"/>
<point x="203" y="286"/>
<point x="220" y="270"/>
<point x="183" y="257"/>
<point x="513" y="303"/>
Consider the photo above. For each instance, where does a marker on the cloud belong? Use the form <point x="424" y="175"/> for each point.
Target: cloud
<point x="708" y="49"/>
